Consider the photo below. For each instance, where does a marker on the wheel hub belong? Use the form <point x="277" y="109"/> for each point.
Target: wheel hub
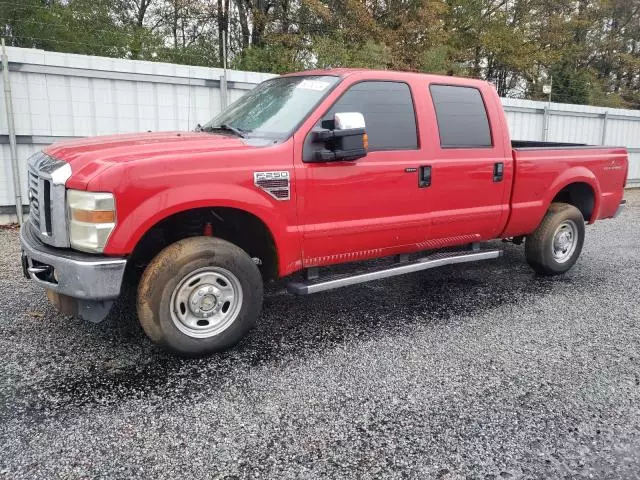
<point x="205" y="301"/>
<point x="565" y="240"/>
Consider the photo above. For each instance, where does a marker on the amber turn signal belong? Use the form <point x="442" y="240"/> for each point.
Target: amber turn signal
<point x="365" y="141"/>
<point x="93" y="216"/>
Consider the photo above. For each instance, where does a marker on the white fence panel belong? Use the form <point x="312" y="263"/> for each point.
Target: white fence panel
<point x="634" y="167"/>
<point x="527" y="120"/>
<point x="525" y="125"/>
<point x="577" y="129"/>
<point x="57" y="96"/>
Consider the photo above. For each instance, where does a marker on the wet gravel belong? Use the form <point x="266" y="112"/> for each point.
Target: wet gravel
<point x="477" y="371"/>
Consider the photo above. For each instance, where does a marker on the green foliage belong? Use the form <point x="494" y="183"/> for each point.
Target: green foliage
<point x="438" y="60"/>
<point x="276" y="57"/>
<point x="79" y="26"/>
<point x="591" y="47"/>
<point x="339" y="52"/>
<point x="571" y="85"/>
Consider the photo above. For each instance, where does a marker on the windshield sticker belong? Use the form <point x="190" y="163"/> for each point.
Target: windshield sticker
<point x="317" y="85"/>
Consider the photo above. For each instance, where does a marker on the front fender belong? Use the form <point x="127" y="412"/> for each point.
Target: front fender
<point x="141" y="217"/>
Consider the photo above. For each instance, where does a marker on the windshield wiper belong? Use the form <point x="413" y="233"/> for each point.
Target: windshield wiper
<point x="226" y="128"/>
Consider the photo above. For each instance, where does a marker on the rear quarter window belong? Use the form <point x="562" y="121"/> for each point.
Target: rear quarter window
<point x="462" y="117"/>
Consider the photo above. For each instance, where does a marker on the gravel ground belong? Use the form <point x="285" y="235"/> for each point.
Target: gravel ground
<point x="477" y="371"/>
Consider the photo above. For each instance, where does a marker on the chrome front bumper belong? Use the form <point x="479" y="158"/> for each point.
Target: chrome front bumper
<point x="73" y="274"/>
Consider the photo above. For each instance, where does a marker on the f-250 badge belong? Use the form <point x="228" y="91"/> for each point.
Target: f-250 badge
<point x="275" y="183"/>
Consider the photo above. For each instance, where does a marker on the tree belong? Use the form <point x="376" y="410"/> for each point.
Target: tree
<point x="590" y="47"/>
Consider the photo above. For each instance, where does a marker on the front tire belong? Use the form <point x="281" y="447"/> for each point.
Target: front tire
<point x="557" y="242"/>
<point x="199" y="295"/>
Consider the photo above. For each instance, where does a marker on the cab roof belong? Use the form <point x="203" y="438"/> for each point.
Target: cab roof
<point x="387" y="74"/>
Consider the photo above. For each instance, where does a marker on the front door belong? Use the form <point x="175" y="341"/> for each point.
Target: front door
<point x="365" y="208"/>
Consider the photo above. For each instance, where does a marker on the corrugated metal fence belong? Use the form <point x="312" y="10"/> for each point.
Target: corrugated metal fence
<point x="58" y="96"/>
<point x="561" y="122"/>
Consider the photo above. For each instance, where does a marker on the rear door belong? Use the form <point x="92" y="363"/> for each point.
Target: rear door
<point x="471" y="170"/>
<point x="365" y="208"/>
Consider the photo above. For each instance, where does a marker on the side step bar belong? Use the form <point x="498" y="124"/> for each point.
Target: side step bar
<point x="425" y="263"/>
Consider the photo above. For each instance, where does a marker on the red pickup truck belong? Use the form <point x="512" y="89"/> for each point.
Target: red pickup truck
<point x="307" y="170"/>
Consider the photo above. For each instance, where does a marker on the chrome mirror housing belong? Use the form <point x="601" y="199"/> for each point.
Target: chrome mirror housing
<point x="348" y="120"/>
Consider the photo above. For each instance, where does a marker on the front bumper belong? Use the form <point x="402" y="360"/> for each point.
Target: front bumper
<point x="88" y="283"/>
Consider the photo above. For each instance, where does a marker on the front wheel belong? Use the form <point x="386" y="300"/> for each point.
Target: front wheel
<point x="199" y="295"/>
<point x="557" y="242"/>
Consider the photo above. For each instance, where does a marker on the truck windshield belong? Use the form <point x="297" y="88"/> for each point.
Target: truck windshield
<point x="274" y="108"/>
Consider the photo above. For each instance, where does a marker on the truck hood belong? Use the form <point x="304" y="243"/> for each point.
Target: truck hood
<point x="89" y="156"/>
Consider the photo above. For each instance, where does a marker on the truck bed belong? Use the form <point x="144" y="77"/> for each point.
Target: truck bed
<point x="544" y="170"/>
<point x="538" y="145"/>
<point x="520" y="144"/>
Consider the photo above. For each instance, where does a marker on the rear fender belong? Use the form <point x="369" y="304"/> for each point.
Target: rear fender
<point x="529" y="208"/>
<point x="574" y="175"/>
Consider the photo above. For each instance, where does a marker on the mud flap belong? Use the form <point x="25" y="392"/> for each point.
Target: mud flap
<point x="94" y="311"/>
<point x="25" y="266"/>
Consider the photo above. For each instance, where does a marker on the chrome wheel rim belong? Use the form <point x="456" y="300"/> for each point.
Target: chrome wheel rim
<point x="565" y="241"/>
<point x="206" y="302"/>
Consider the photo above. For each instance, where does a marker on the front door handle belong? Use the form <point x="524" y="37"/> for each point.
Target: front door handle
<point x="498" y="171"/>
<point x="424" y="176"/>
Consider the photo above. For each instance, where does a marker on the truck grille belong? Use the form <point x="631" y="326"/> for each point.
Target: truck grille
<point x="34" y="204"/>
<point x="47" y="210"/>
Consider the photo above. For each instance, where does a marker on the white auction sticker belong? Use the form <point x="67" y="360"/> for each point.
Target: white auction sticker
<point x="317" y="85"/>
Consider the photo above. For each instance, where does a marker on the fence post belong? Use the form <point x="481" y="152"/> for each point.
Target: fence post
<point x="223" y="78"/>
<point x="223" y="92"/>
<point x="12" y="133"/>
<point x="545" y="125"/>
<point x="603" y="141"/>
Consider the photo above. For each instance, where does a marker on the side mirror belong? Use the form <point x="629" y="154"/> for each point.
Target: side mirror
<point x="347" y="141"/>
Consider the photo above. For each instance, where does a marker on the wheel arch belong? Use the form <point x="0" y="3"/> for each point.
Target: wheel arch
<point x="578" y="187"/>
<point x="188" y="215"/>
<point x="581" y="195"/>
<point x="238" y="226"/>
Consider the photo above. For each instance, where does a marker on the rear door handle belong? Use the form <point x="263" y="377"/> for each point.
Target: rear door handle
<point x="498" y="171"/>
<point x="424" y="176"/>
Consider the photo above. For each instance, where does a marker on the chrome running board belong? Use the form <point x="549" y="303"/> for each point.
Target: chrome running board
<point x="424" y="263"/>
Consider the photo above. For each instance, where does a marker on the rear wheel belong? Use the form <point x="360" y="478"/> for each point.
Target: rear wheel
<point x="199" y="295"/>
<point x="557" y="242"/>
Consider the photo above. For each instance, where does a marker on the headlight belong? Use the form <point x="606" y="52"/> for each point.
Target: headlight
<point x="92" y="218"/>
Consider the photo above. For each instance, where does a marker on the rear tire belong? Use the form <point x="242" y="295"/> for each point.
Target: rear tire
<point x="557" y="242"/>
<point x="199" y="295"/>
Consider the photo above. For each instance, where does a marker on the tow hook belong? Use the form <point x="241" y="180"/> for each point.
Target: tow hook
<point x="38" y="270"/>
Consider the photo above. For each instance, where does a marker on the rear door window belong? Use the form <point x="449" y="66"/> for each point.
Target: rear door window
<point x="388" y="113"/>
<point x="462" y="117"/>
